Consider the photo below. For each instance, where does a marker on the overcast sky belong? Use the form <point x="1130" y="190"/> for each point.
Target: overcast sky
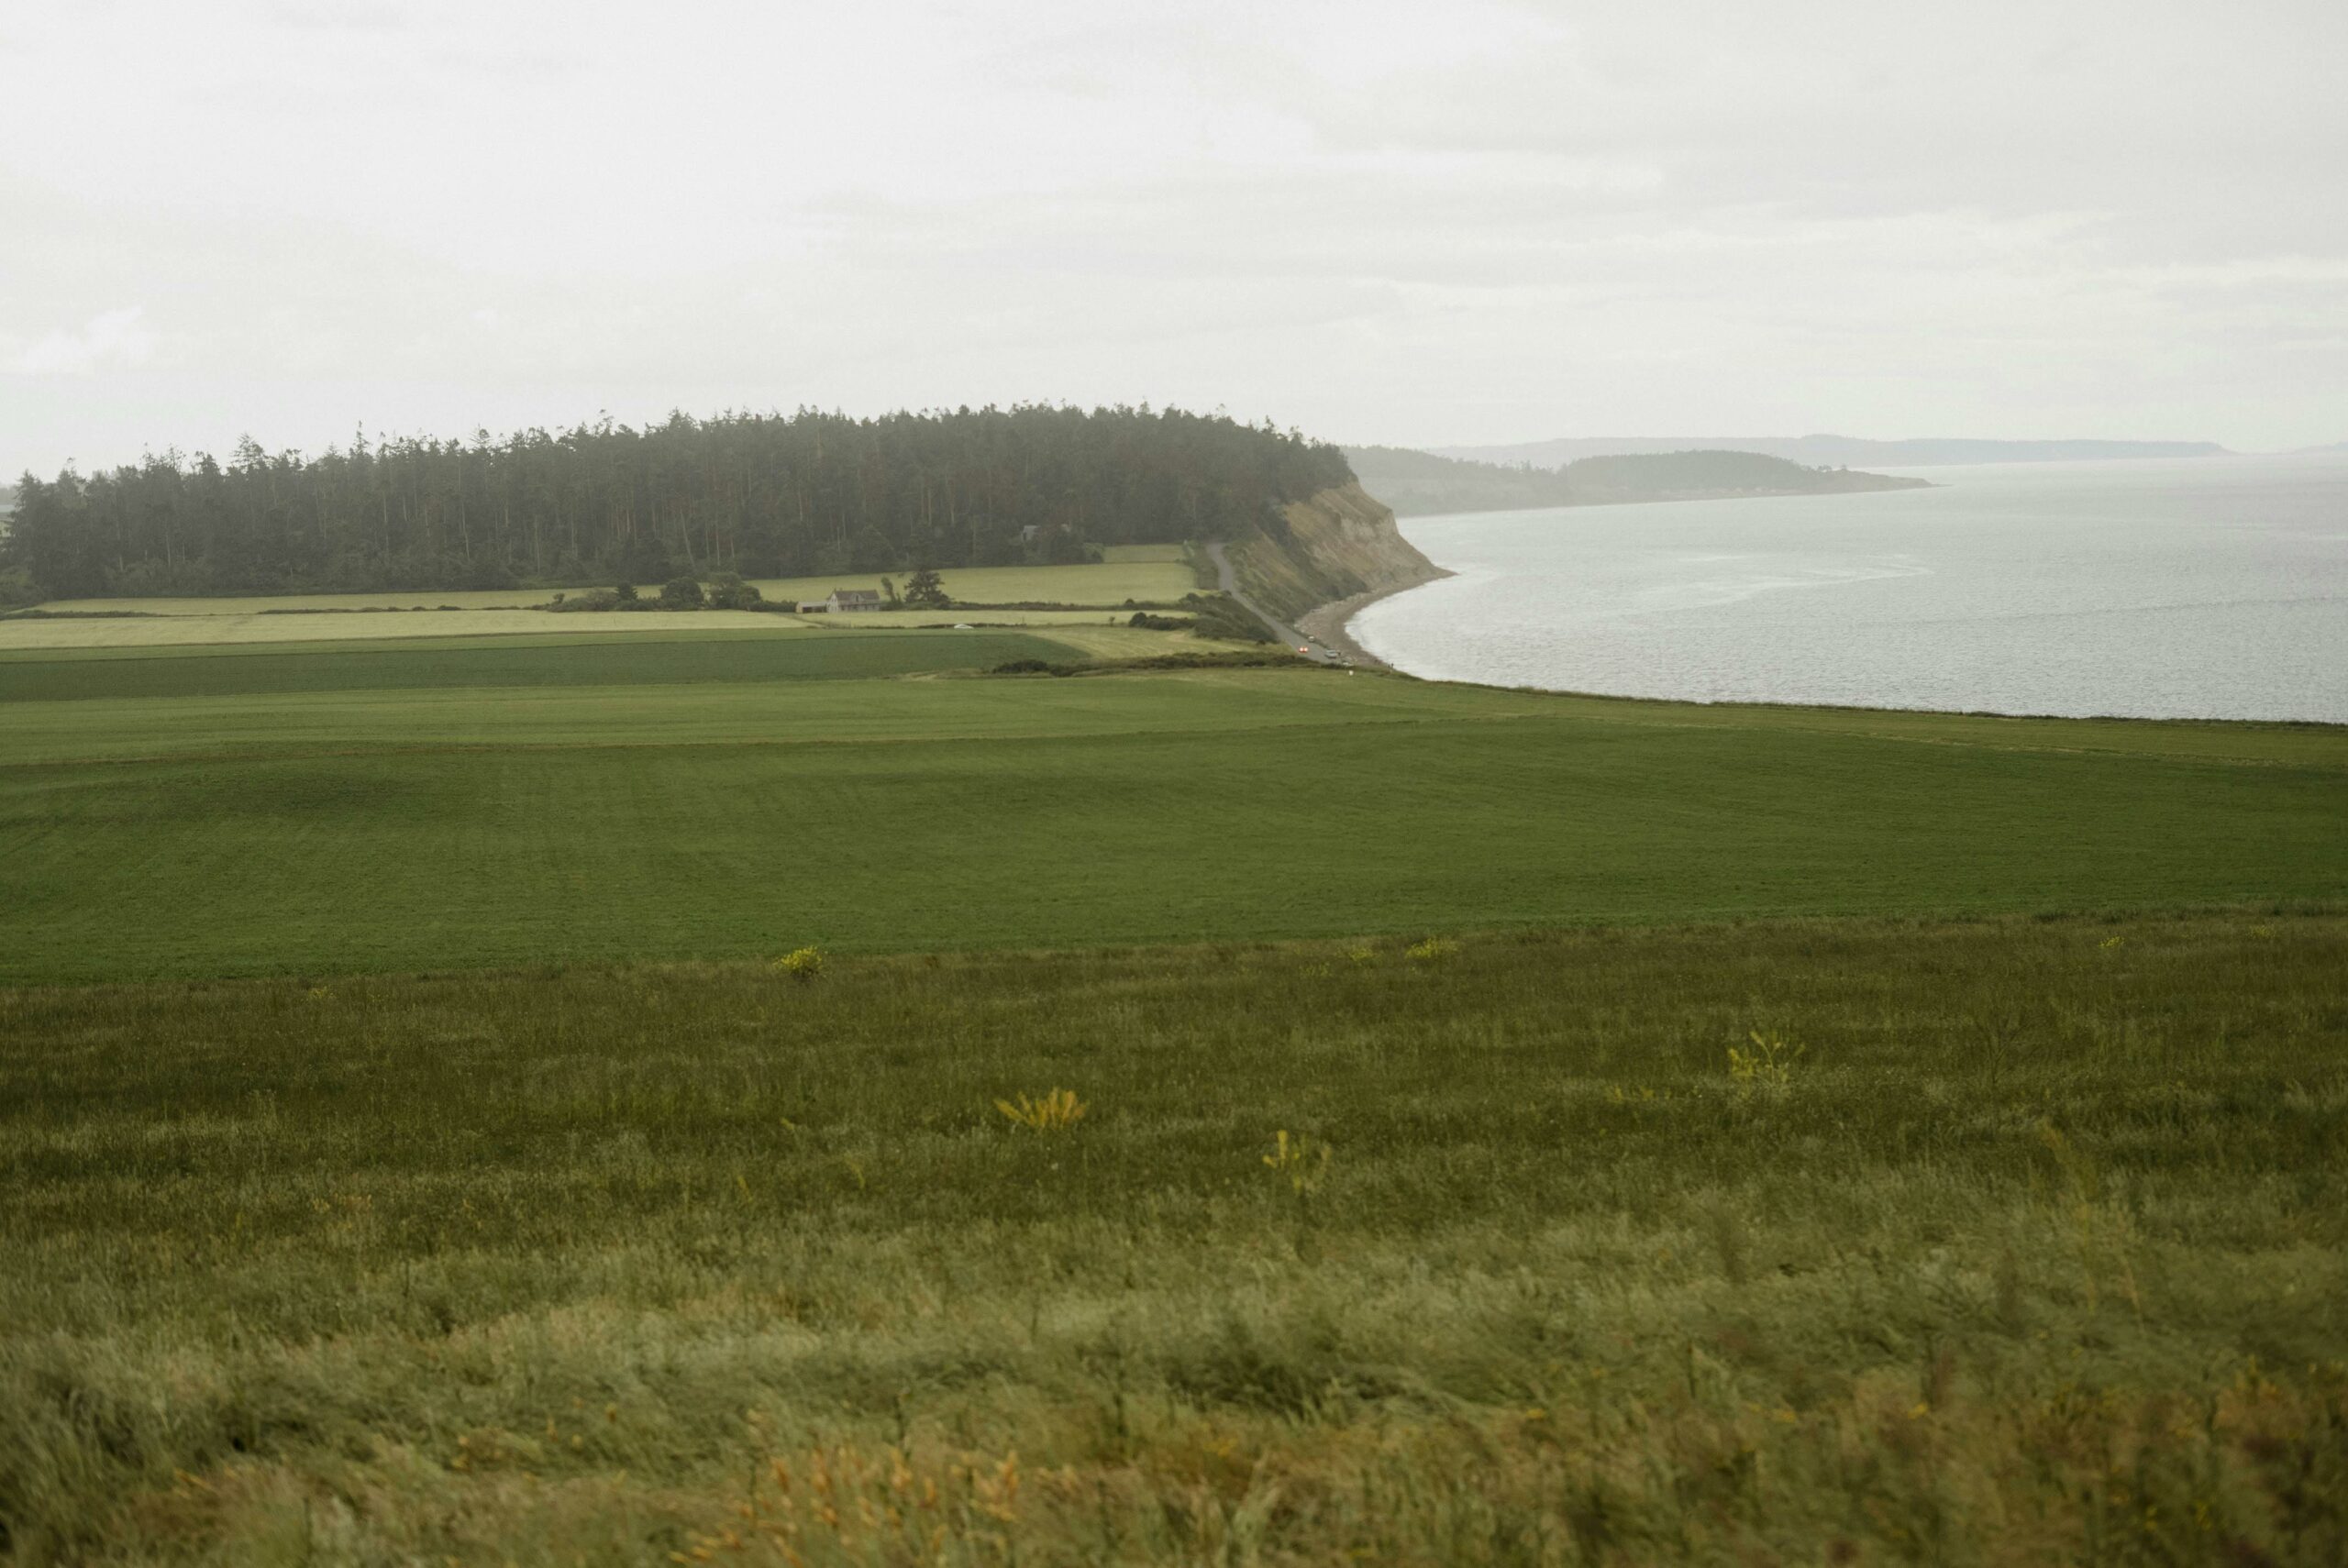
<point x="1409" y="222"/>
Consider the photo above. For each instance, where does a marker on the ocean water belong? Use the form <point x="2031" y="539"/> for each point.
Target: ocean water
<point x="2197" y="588"/>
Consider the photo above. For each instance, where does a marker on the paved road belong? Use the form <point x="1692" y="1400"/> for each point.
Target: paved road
<point x="1228" y="580"/>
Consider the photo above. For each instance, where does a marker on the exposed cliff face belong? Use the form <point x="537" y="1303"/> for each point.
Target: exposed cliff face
<point x="1340" y="545"/>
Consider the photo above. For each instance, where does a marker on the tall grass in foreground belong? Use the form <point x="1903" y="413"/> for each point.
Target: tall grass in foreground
<point x="1793" y="1242"/>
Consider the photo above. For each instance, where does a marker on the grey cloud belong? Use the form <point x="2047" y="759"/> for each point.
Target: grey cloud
<point x="335" y="17"/>
<point x="1381" y="221"/>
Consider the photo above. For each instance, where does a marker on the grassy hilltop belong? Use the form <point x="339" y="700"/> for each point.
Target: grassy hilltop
<point x="1513" y="1127"/>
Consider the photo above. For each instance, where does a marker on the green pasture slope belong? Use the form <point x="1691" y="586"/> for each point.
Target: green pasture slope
<point x="1821" y="1194"/>
<point x="403" y="807"/>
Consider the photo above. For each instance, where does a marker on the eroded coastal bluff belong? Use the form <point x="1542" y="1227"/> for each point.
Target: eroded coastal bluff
<point x="1317" y="561"/>
<point x="1314" y="562"/>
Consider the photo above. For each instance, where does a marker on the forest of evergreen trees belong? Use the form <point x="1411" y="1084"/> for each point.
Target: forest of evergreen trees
<point x="758" y="494"/>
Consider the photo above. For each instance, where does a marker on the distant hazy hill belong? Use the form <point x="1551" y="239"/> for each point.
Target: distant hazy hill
<point x="1416" y="485"/>
<point x="1679" y="475"/>
<point x="1831" y="450"/>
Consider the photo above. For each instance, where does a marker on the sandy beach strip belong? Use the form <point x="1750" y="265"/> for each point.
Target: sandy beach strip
<point x="1327" y="624"/>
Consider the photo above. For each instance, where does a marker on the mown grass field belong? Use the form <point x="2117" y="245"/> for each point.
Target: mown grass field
<point x="1145" y="573"/>
<point x="2034" y="1253"/>
<point x="324" y="812"/>
<point x="159" y="631"/>
<point x="681" y="658"/>
<point x="234" y="605"/>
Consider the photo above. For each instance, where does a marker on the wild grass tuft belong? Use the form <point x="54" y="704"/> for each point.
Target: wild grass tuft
<point x="1054" y="1113"/>
<point x="1302" y="1163"/>
<point x="1766" y="1069"/>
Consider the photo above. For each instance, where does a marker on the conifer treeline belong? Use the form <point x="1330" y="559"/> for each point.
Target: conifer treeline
<point x="760" y="494"/>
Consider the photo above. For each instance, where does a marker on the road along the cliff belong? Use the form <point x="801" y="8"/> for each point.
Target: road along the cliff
<point x="1228" y="580"/>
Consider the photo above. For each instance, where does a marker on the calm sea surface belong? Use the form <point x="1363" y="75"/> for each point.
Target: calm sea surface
<point x="2201" y="588"/>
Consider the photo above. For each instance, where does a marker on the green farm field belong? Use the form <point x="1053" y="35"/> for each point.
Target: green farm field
<point x="1142" y="573"/>
<point x="553" y="658"/>
<point x="154" y="630"/>
<point x="1146" y="574"/>
<point x="511" y="805"/>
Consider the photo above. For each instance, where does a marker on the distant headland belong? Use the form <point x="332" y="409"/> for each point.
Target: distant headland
<point x="1418" y="485"/>
<point x="1832" y="451"/>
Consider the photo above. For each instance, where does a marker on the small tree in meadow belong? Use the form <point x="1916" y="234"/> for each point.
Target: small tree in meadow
<point x="925" y="590"/>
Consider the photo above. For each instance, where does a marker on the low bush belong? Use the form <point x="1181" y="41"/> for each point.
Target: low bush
<point x="77" y="614"/>
<point x="802" y="964"/>
<point x="1277" y="656"/>
<point x="593" y="599"/>
<point x="1268" y="659"/>
<point x="1228" y="620"/>
<point x="726" y="590"/>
